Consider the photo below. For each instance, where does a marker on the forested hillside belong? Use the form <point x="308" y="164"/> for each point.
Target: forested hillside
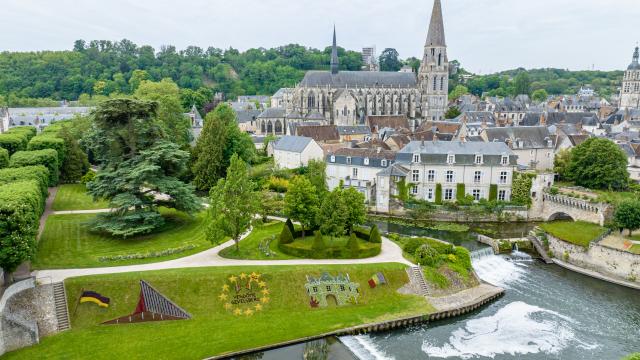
<point x="99" y="69"/>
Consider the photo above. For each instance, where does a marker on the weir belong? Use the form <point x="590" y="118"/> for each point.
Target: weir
<point x="482" y="253"/>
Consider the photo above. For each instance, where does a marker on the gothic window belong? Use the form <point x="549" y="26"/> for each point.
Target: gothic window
<point x="442" y="83"/>
<point x="311" y="101"/>
<point x="439" y="59"/>
<point x="435" y="82"/>
<point x="262" y="127"/>
<point x="344" y="111"/>
<point x="433" y="52"/>
<point x="278" y="127"/>
<point x="269" y="127"/>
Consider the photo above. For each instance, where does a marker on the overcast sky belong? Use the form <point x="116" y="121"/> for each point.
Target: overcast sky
<point x="485" y="35"/>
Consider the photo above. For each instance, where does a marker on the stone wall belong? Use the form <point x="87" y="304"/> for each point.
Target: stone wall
<point x="607" y="261"/>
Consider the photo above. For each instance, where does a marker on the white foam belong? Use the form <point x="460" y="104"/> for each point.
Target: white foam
<point x="498" y="271"/>
<point x="365" y="349"/>
<point x="516" y="329"/>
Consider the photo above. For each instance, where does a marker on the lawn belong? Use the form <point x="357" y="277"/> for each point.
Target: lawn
<point x="579" y="232"/>
<point x="250" y="246"/>
<point x="67" y="242"/>
<point x="75" y="197"/>
<point x="214" y="330"/>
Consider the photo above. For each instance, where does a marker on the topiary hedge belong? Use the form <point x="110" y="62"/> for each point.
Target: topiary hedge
<point x="374" y="235"/>
<point x="12" y="143"/>
<point x="330" y="253"/>
<point x="38" y="173"/>
<point x="4" y="158"/>
<point x="20" y="210"/>
<point x="41" y="142"/>
<point x="438" y="200"/>
<point x="28" y="131"/>
<point x="493" y="192"/>
<point x="460" y="192"/>
<point x="46" y="157"/>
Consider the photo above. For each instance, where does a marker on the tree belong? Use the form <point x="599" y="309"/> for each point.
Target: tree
<point x="561" y="164"/>
<point x="356" y="210"/>
<point x="316" y="173"/>
<point x="389" y="60"/>
<point x="374" y="235"/>
<point x="452" y="113"/>
<point x="627" y="215"/>
<point x="137" y="77"/>
<point x="333" y="213"/>
<point x="598" y="163"/>
<point x="76" y="163"/>
<point x="458" y="91"/>
<point x="540" y="95"/>
<point x="318" y="244"/>
<point x="286" y="237"/>
<point x="301" y="202"/>
<point x="139" y="169"/>
<point x="270" y="204"/>
<point x="353" y="246"/>
<point x="522" y="84"/>
<point x="521" y="188"/>
<point x="233" y="204"/>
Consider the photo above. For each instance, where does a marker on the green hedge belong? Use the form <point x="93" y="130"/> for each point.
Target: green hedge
<point x="46" y="157"/>
<point x="20" y="210"/>
<point x="38" y="173"/>
<point x="460" y="193"/>
<point x="4" y="158"/>
<point x="493" y="192"/>
<point x="28" y="131"/>
<point x="42" y="142"/>
<point x="438" y="194"/>
<point x="329" y="253"/>
<point x="442" y="248"/>
<point x="12" y="143"/>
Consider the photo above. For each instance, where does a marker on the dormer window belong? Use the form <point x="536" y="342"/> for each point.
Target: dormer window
<point x="451" y="159"/>
<point x="349" y="160"/>
<point x="366" y="161"/>
<point x="333" y="158"/>
<point x="416" y="158"/>
<point x="478" y="159"/>
<point x="504" y="160"/>
<point x="383" y="163"/>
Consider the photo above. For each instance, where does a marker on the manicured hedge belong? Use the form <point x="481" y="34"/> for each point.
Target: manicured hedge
<point x="438" y="194"/>
<point x="12" y="143"/>
<point x="38" y="173"/>
<point x="20" y="210"/>
<point x="47" y="141"/>
<point x="493" y="192"/>
<point x="460" y="192"/>
<point x="4" y="158"/>
<point x="46" y="157"/>
<point x="24" y="132"/>
<point x="330" y="253"/>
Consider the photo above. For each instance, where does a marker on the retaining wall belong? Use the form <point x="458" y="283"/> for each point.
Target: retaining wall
<point x="16" y="331"/>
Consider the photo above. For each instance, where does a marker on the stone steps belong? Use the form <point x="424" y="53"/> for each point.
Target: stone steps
<point x="62" y="312"/>
<point x="418" y="278"/>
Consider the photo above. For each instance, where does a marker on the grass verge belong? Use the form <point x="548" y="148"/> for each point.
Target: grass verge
<point x="579" y="233"/>
<point x="214" y="330"/>
<point x="250" y="246"/>
<point x="67" y="242"/>
<point x="75" y="197"/>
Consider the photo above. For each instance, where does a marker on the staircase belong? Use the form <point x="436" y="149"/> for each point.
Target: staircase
<point x="417" y="277"/>
<point x="540" y="249"/>
<point x="62" y="312"/>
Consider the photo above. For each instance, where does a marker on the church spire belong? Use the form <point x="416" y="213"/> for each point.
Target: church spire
<point x="435" y="37"/>
<point x="335" y="63"/>
<point x="635" y="65"/>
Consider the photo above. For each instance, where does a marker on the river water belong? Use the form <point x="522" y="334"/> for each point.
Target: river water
<point x="547" y="312"/>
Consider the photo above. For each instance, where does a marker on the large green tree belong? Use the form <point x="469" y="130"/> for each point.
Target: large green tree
<point x="522" y="84"/>
<point x="316" y="173"/>
<point x="356" y="213"/>
<point x="627" y="215"/>
<point x="76" y="163"/>
<point x="332" y="215"/>
<point x="301" y="202"/>
<point x="140" y="168"/>
<point x="598" y="163"/>
<point x="233" y="203"/>
<point x="389" y="60"/>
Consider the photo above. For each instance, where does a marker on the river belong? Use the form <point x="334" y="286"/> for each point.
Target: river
<point x="547" y="312"/>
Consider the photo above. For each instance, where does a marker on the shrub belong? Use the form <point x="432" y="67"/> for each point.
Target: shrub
<point x="12" y="143"/>
<point x="278" y="184"/>
<point x="412" y="245"/>
<point x="441" y="247"/>
<point x="38" y="173"/>
<point x="426" y="255"/>
<point x="286" y="237"/>
<point x="438" y="194"/>
<point x="318" y="243"/>
<point x="46" y="157"/>
<point x="20" y="210"/>
<point x="353" y="246"/>
<point x="89" y="176"/>
<point x="493" y="192"/>
<point x="374" y="235"/>
<point x="28" y="131"/>
<point x="48" y="142"/>
<point x="460" y="192"/>
<point x="289" y="224"/>
<point x="4" y="158"/>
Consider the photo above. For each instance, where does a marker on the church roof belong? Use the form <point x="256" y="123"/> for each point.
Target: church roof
<point x="435" y="37"/>
<point x="272" y="113"/>
<point x="634" y="64"/>
<point x="358" y="79"/>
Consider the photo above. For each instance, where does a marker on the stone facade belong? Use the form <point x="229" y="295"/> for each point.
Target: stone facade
<point x="630" y="91"/>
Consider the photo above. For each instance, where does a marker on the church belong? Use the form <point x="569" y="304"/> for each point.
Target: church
<point x="630" y="91"/>
<point x="346" y="98"/>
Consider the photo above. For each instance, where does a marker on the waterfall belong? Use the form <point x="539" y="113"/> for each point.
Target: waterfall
<point x="517" y="255"/>
<point x="364" y="348"/>
<point x="482" y="253"/>
<point x="497" y="270"/>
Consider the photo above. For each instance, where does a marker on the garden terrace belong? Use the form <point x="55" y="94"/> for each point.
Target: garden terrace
<point x="287" y="316"/>
<point x="579" y="232"/>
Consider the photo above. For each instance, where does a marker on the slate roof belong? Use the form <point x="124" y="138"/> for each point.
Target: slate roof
<point x="390" y="121"/>
<point x="394" y="170"/>
<point x="532" y="137"/>
<point x="436" y="152"/>
<point x="373" y="143"/>
<point x="357" y="156"/>
<point x="354" y="130"/>
<point x="477" y="116"/>
<point x="315" y="115"/>
<point x="272" y="113"/>
<point x="584" y="118"/>
<point x="531" y="119"/>
<point x="319" y="132"/>
<point x="292" y="143"/>
<point x="247" y="115"/>
<point x="435" y="36"/>
<point x="362" y="79"/>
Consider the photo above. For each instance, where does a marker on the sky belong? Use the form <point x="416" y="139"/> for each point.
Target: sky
<point x="484" y="35"/>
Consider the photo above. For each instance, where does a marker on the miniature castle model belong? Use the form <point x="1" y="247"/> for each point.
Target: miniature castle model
<point x="340" y="288"/>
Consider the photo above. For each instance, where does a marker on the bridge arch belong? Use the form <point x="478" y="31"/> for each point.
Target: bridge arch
<point x="560" y="215"/>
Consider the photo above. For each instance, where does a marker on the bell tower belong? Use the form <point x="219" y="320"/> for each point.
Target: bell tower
<point x="433" y="76"/>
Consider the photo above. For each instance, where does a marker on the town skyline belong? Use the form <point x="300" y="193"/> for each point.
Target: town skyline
<point x="537" y="38"/>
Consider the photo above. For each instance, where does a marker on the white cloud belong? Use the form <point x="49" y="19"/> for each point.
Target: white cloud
<point x="485" y="35"/>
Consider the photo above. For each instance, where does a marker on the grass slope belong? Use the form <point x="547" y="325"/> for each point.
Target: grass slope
<point x="67" y="242"/>
<point x="576" y="232"/>
<point x="75" y="197"/>
<point x="213" y="330"/>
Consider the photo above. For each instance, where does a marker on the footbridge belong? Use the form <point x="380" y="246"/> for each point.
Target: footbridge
<point x="557" y="207"/>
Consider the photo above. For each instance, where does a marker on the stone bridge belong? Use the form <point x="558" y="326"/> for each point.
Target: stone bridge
<point x="556" y="207"/>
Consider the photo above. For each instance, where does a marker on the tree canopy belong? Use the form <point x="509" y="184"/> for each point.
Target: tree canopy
<point x="598" y="163"/>
<point x="389" y="60"/>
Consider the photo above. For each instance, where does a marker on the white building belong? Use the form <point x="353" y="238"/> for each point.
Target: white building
<point x="533" y="145"/>
<point x="437" y="170"/>
<point x="357" y="168"/>
<point x="4" y="119"/>
<point x="292" y="152"/>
